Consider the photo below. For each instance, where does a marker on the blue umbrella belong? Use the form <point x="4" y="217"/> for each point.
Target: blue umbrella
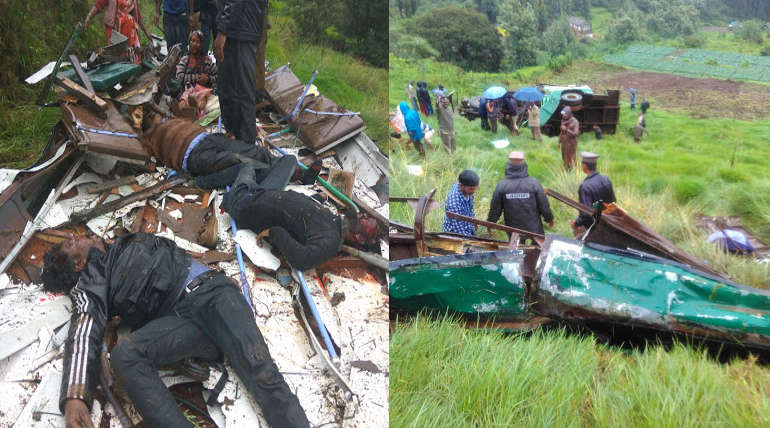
<point x="529" y="93"/>
<point x="494" y="92"/>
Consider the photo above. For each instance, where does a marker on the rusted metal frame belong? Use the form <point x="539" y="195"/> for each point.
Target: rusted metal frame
<point x="134" y="197"/>
<point x="423" y="207"/>
<point x="535" y="236"/>
<point x="648" y="238"/>
<point x="372" y="259"/>
<point x="33" y="227"/>
<point x="49" y="82"/>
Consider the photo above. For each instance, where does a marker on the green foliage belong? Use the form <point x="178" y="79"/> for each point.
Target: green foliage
<point x="751" y="31"/>
<point x="518" y="18"/>
<point x="407" y="8"/>
<point x="490" y="8"/>
<point x="765" y="50"/>
<point x="693" y="41"/>
<point x="443" y="374"/>
<point x="688" y="188"/>
<point x="559" y="63"/>
<point x="463" y="37"/>
<point x="406" y="45"/>
<point x="357" y="27"/>
<point x="624" y="30"/>
<point x="558" y="38"/>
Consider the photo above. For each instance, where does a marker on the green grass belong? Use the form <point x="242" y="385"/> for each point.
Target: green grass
<point x="685" y="166"/>
<point x="445" y="375"/>
<point x="723" y="42"/>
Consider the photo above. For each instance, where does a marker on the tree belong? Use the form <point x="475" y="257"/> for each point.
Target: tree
<point x="490" y="8"/>
<point x="558" y="38"/>
<point x="462" y="36"/>
<point x="365" y="30"/>
<point x="518" y="18"/>
<point x="407" y="8"/>
<point x="624" y="30"/>
<point x="317" y="20"/>
<point x="751" y="31"/>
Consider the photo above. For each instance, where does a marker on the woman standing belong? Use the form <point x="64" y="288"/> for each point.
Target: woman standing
<point x="120" y="15"/>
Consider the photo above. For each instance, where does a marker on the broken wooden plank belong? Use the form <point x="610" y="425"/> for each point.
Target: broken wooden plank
<point x="101" y="187"/>
<point x="535" y="236"/>
<point x="81" y="74"/>
<point x="99" y="106"/>
<point x="161" y="187"/>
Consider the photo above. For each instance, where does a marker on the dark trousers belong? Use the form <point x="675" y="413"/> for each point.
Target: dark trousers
<point x="213" y="318"/>
<point x="237" y="96"/>
<point x="216" y="160"/>
<point x="177" y="28"/>
<point x="208" y="21"/>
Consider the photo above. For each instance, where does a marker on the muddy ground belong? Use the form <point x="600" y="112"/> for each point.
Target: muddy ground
<point x="700" y="98"/>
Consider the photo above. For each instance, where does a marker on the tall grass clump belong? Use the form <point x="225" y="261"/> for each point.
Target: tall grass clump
<point x="445" y="375"/>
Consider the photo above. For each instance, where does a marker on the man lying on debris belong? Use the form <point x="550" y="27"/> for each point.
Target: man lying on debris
<point x="179" y="309"/>
<point x="304" y="232"/>
<point x="213" y="158"/>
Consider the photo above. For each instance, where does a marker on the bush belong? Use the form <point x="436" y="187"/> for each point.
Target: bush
<point x="688" y="188"/>
<point x="463" y="37"/>
<point x="559" y="63"/>
<point x="765" y="50"/>
<point x="751" y="31"/>
<point x="693" y="41"/>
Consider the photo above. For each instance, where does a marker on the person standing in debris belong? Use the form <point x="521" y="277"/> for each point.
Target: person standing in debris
<point x="533" y="118"/>
<point x="208" y="20"/>
<point x="446" y="125"/>
<point x="213" y="159"/>
<point x="303" y="231"/>
<point x="121" y="15"/>
<point x="459" y="200"/>
<point x="633" y="97"/>
<point x="412" y="95"/>
<point x="177" y="15"/>
<point x="242" y="32"/>
<point x="640" y="128"/>
<point x="570" y="129"/>
<point x="178" y="308"/>
<point x="595" y="188"/>
<point x="413" y="127"/>
<point x="520" y="198"/>
<point x="196" y="67"/>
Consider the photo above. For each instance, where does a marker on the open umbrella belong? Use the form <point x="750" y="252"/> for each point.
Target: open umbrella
<point x="528" y="94"/>
<point x="494" y="92"/>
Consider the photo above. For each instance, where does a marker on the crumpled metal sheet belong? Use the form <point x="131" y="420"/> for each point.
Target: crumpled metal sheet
<point x="473" y="283"/>
<point x="319" y="132"/>
<point x="585" y="283"/>
<point x="125" y="147"/>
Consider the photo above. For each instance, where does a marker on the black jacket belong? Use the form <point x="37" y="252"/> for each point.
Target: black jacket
<point x="522" y="199"/>
<point x="242" y="19"/>
<point x="140" y="277"/>
<point x="595" y="187"/>
<point x="306" y="233"/>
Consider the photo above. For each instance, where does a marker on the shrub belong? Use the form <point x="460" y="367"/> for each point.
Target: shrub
<point x="559" y="62"/>
<point x="693" y="41"/>
<point x="765" y="50"/>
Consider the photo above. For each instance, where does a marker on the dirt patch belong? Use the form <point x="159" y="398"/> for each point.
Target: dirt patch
<point x="714" y="29"/>
<point x="701" y="98"/>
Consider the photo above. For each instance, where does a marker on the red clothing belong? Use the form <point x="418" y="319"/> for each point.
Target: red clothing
<point x="122" y="15"/>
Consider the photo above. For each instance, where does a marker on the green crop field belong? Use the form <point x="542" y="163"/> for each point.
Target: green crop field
<point x="445" y="375"/>
<point x="694" y="62"/>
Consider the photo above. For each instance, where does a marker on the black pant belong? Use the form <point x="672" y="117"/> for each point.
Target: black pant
<point x="208" y="21"/>
<point x="216" y="160"/>
<point x="177" y="28"/>
<point x="213" y="318"/>
<point x="237" y="96"/>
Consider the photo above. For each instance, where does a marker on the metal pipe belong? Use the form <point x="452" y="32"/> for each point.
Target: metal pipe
<point x="317" y="316"/>
<point x="239" y="256"/>
<point x="33" y="226"/>
<point x="325" y="183"/>
<point x="304" y="94"/>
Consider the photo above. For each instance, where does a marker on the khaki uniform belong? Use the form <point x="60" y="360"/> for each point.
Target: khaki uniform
<point x="534" y="122"/>
<point x="446" y="127"/>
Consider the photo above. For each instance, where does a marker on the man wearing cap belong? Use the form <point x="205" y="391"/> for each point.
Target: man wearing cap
<point x="595" y="187"/>
<point x="446" y="124"/>
<point x="460" y="201"/>
<point x="520" y="198"/>
<point x="570" y="129"/>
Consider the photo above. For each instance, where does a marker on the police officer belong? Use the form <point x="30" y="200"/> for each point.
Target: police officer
<point x="595" y="187"/>
<point x="520" y="197"/>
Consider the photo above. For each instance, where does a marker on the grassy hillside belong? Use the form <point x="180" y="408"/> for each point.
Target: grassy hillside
<point x="686" y="165"/>
<point x="445" y="375"/>
<point x="24" y="128"/>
